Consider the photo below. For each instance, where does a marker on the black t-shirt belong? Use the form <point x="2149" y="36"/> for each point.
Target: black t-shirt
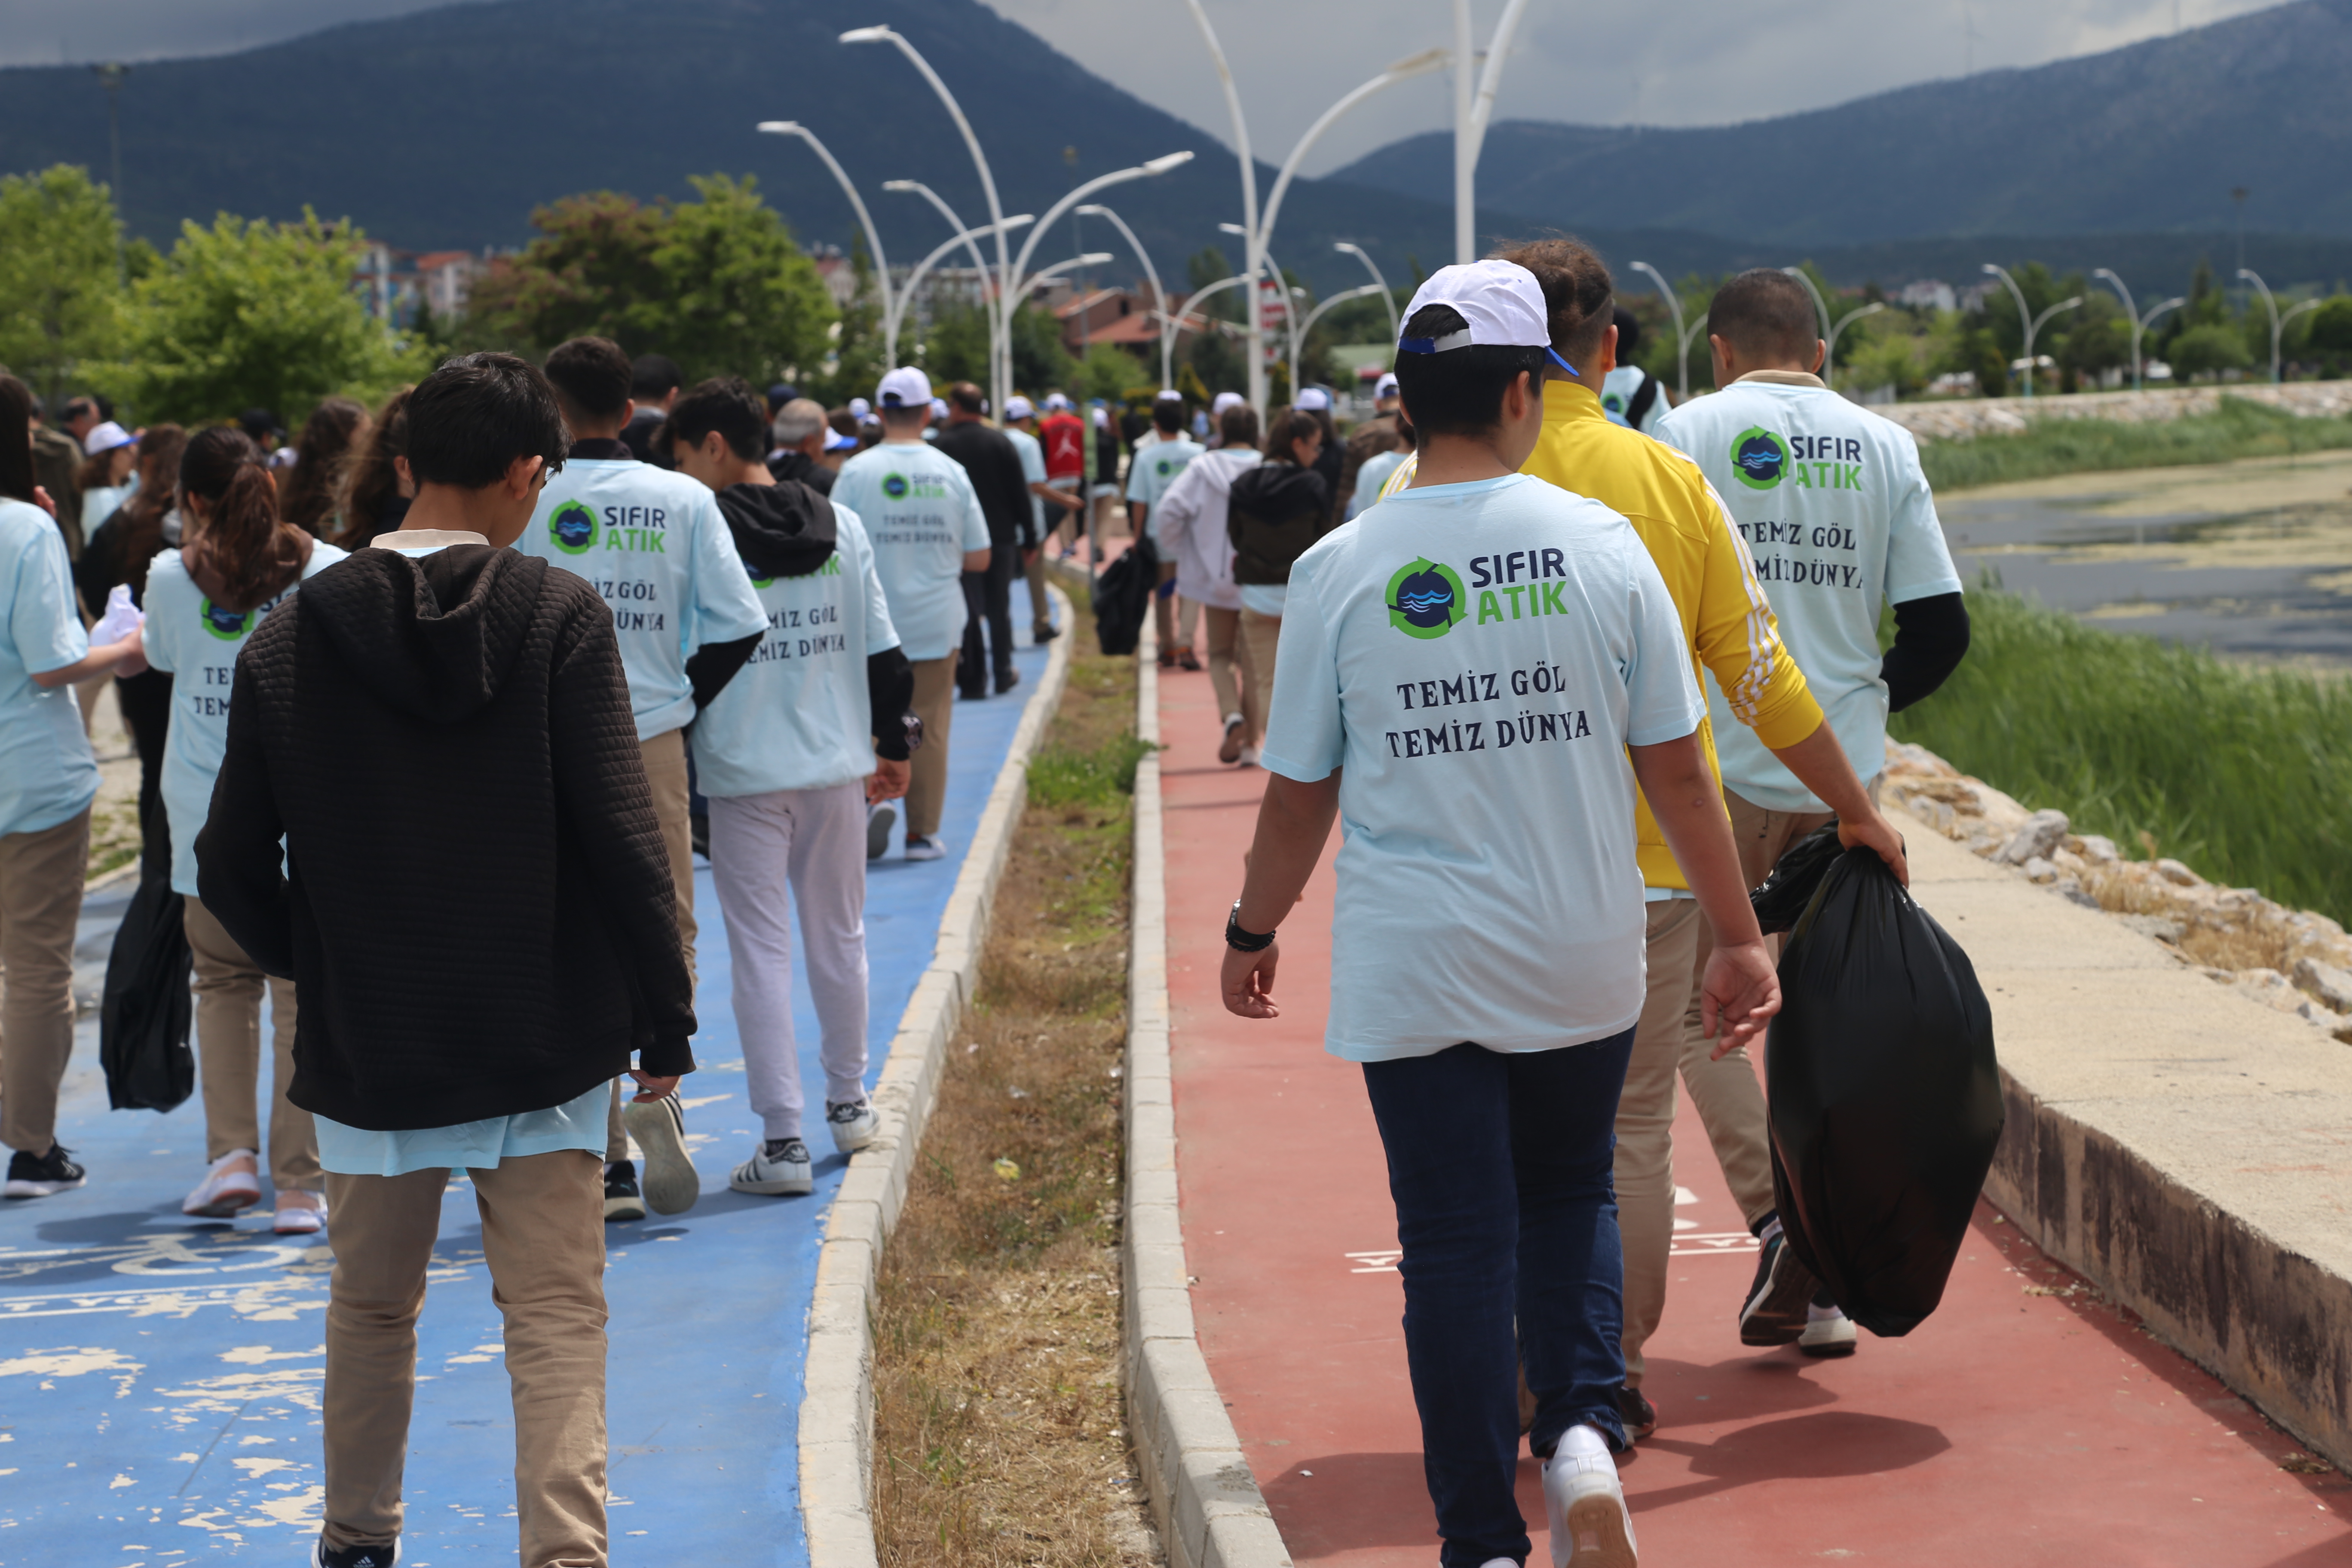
<point x="996" y="477"/>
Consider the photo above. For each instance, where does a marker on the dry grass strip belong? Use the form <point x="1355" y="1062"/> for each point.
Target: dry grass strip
<point x="998" y="1411"/>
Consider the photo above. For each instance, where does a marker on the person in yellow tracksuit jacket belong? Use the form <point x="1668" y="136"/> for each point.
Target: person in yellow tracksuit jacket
<point x="1733" y="637"/>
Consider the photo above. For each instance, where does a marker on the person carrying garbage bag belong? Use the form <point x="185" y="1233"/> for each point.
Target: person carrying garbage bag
<point x="1474" y="675"/>
<point x="1832" y="504"/>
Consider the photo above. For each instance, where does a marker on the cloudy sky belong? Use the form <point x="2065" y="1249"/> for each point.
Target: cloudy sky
<point x="1656" y="62"/>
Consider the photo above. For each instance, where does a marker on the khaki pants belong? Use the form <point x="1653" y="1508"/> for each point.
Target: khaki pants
<point x="1260" y="637"/>
<point x="228" y="1056"/>
<point x="1041" y="608"/>
<point x="664" y="757"/>
<point x="543" y="1239"/>
<point x="926" y="784"/>
<point x="1667" y="1046"/>
<point x="40" y="901"/>
<point x="1229" y="659"/>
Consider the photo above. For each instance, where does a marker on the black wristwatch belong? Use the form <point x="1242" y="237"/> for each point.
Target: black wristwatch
<point x="1241" y="940"/>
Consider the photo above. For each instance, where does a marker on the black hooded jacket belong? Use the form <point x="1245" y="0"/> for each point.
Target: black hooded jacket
<point x="788" y="529"/>
<point x="479" y="913"/>
<point x="1278" y="512"/>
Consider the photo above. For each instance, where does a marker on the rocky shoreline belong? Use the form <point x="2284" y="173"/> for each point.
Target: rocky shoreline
<point x="1965" y="419"/>
<point x="2293" y="960"/>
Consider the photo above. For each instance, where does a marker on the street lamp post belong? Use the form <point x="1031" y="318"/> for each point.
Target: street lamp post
<point x="1387" y="295"/>
<point x="112" y="74"/>
<point x="956" y="225"/>
<point x="1159" y="294"/>
<point x="1017" y="291"/>
<point x="2031" y="322"/>
<point x="1830" y="329"/>
<point x="1289" y="311"/>
<point x="2141" y="326"/>
<point x="886" y="35"/>
<point x="2278" y="322"/>
<point x="2108" y="276"/>
<point x="911" y="288"/>
<point x="1681" y="338"/>
<point x="865" y="221"/>
<point x="1471" y="112"/>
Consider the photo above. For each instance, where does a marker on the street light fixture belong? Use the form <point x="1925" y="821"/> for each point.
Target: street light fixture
<point x="1471" y="112"/>
<point x="999" y="369"/>
<point x="1289" y="313"/>
<point x="1387" y="294"/>
<point x="865" y="219"/>
<point x="1018" y="291"/>
<point x="112" y="74"/>
<point x="910" y="290"/>
<point x="1681" y="338"/>
<point x="2278" y="322"/>
<point x="989" y="312"/>
<point x="1830" y="329"/>
<point x="1159" y="294"/>
<point x="2033" y="322"/>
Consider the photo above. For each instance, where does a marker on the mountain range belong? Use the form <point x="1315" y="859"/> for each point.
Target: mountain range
<point x="444" y="129"/>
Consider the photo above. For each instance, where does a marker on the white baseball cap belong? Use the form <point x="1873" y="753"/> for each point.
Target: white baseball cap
<point x="939" y="407"/>
<point x="1384" y="387"/>
<point x="1501" y="302"/>
<point x="1018" y="407"/>
<point x="1312" y="398"/>
<point x="1226" y="400"/>
<point x="1168" y="394"/>
<point x="106" y="437"/>
<point x="835" y="440"/>
<point x="1055" y="402"/>
<point x="860" y="408"/>
<point x="905" y="387"/>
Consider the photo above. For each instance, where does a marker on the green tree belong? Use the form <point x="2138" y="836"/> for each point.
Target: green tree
<point x="855" y="364"/>
<point x="61" y="298"/>
<point x="2212" y="347"/>
<point x="715" y="283"/>
<point x="2331" y="326"/>
<point x="255" y="314"/>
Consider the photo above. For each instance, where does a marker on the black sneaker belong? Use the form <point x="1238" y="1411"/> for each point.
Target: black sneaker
<point x="1043" y="634"/>
<point x="1006" y="681"/>
<point x="1773" y="1312"/>
<point x="1635" y="1409"/>
<point x="622" y="1199"/>
<point x="43" y="1175"/>
<point x="325" y="1556"/>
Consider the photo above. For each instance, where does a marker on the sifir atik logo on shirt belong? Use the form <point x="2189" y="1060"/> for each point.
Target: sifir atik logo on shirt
<point x="1428" y="599"/>
<point x="1761" y="459"/>
<point x="227" y="625"/>
<point x="574" y="528"/>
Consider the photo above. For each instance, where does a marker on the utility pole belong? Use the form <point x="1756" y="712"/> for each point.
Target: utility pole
<point x="2238" y="195"/>
<point x="112" y="74"/>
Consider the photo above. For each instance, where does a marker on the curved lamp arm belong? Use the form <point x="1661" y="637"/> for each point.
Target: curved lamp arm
<point x="1395" y="328"/>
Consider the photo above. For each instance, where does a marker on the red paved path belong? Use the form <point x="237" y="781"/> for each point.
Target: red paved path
<point x="2012" y="1429"/>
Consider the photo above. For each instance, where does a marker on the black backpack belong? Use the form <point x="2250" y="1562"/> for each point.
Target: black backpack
<point x="142" y="1029"/>
<point x="1122" y="596"/>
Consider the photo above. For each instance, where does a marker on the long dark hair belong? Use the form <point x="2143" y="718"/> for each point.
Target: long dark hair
<point x="368" y="478"/>
<point x="1285" y="430"/>
<point x="243" y="553"/>
<point x="138" y="528"/>
<point x="319" y="458"/>
<point x="16" y="439"/>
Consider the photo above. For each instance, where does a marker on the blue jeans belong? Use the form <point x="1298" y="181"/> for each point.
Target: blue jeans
<point x="1499" y="1165"/>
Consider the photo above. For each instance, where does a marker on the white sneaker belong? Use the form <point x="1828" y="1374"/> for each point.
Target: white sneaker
<point x="779" y="1168"/>
<point x="1585" y="1503"/>
<point x="295" y="1219"/>
<point x="223" y="1192"/>
<point x="921" y="848"/>
<point x="1249" y="756"/>
<point x="659" y="1127"/>
<point x="1827" y="1332"/>
<point x="854" y="1124"/>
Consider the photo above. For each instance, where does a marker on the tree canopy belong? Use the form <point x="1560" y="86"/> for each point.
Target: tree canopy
<point x="61" y="293"/>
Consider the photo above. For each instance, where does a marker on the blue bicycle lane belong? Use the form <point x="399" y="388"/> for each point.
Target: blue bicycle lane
<point x="160" y="1376"/>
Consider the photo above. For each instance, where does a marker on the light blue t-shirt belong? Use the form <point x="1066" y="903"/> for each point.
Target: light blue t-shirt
<point x="47" y="773"/>
<point x="1370" y="477"/>
<point x="98" y="505"/>
<point x="1154" y="467"/>
<point x="1618" y="390"/>
<point x="1476" y="657"/>
<point x="1032" y="470"/>
<point x="578" y="1123"/>
<point x="1833" y="503"/>
<point x="797" y="715"/>
<point x="655" y="546"/>
<point x="196" y="644"/>
<point x="921" y="515"/>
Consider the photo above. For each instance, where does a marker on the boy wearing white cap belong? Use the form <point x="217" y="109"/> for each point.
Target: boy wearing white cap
<point x="926" y="529"/>
<point x="1161" y="457"/>
<point x="1475" y="675"/>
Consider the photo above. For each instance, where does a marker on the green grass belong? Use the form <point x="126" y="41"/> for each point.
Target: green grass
<point x="1095" y="776"/>
<point x="2244" y="772"/>
<point x="2241" y="429"/>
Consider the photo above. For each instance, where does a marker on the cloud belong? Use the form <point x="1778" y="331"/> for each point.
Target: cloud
<point x="1656" y="62"/>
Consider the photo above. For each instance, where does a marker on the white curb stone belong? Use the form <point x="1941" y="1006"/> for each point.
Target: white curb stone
<point x="837" y="1415"/>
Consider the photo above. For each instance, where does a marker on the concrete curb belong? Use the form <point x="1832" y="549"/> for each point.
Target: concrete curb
<point x="837" y="1415"/>
<point x="1203" y="1498"/>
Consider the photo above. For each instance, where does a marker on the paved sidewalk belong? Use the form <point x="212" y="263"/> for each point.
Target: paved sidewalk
<point x="2026" y="1422"/>
<point x="159" y="1376"/>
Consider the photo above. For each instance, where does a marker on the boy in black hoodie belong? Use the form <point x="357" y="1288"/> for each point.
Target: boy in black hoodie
<point x="481" y="918"/>
<point x="791" y="753"/>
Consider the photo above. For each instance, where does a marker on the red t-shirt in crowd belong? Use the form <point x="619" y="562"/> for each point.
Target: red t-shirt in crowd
<point x="1064" y="437"/>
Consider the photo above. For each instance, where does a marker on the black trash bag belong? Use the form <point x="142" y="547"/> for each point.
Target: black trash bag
<point x="1780" y="901"/>
<point x="1123" y="598"/>
<point x="1885" y="1097"/>
<point x="142" y="1029"/>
